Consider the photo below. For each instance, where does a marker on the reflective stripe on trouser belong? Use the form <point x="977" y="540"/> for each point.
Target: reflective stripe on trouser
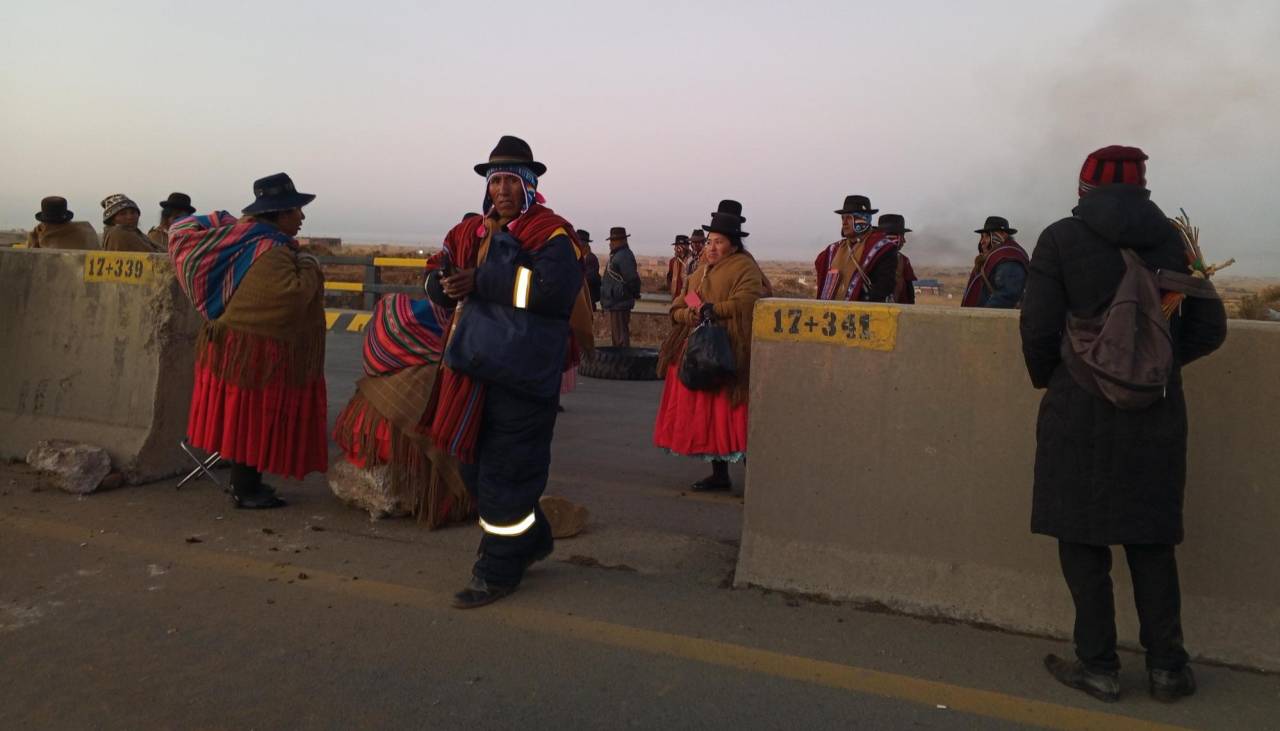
<point x="513" y="459"/>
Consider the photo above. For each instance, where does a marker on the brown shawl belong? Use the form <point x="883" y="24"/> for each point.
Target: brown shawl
<point x="70" y="235"/>
<point x="733" y="285"/>
<point x="126" y="238"/>
<point x="159" y="238"/>
<point x="280" y="299"/>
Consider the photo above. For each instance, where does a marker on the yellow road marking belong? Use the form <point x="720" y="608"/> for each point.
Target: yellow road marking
<point x="345" y="286"/>
<point x="358" y="321"/>
<point x="394" y="261"/>
<point x="973" y="701"/>
<point x="330" y="318"/>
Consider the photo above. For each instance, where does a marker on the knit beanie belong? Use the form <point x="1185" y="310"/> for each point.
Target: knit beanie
<point x="114" y="203"/>
<point x="1111" y="165"/>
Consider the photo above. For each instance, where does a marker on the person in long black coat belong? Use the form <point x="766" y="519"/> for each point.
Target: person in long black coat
<point x="1104" y="476"/>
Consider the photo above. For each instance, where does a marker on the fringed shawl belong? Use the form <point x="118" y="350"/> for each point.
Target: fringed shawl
<point x="733" y="284"/>
<point x="213" y="253"/>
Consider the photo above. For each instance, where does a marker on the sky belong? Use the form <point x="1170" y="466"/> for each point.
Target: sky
<point x="647" y="114"/>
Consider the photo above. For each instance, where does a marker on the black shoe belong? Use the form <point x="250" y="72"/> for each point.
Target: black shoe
<point x="711" y="485"/>
<point x="1073" y="674"/>
<point x="264" y="498"/>
<point x="479" y="593"/>
<point x="1167" y="686"/>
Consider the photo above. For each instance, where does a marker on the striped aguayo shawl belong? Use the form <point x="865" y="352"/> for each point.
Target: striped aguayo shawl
<point x="403" y="333"/>
<point x="212" y="254"/>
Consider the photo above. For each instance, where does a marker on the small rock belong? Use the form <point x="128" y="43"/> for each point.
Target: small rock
<point x="316" y="528"/>
<point x="268" y="531"/>
<point x="193" y="539"/>
<point x="271" y="601"/>
<point x="112" y="481"/>
<point x="303" y="576"/>
<point x="76" y="468"/>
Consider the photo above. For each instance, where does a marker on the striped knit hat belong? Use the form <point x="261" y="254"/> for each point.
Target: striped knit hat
<point x="114" y="203"/>
<point x="1111" y="165"/>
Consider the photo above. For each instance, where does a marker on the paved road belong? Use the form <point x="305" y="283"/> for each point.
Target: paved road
<point x="148" y="607"/>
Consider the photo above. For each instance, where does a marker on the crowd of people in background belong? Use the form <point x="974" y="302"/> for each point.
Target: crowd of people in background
<point x="461" y="390"/>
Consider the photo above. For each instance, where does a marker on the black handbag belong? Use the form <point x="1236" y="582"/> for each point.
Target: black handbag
<point x="708" y="361"/>
<point x="497" y="343"/>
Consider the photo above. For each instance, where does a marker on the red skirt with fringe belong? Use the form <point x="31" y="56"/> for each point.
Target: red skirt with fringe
<point x="702" y="424"/>
<point x="277" y="427"/>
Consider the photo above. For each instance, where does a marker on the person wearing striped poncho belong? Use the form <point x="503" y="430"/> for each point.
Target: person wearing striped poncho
<point x="259" y="394"/>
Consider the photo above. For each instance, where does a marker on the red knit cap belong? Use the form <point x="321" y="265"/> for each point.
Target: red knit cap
<point x="1114" y="164"/>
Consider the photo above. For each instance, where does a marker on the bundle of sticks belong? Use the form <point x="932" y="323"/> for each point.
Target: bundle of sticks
<point x="1195" y="258"/>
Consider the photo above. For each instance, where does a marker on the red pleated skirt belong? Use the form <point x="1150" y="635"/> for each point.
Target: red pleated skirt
<point x="702" y="424"/>
<point x="276" y="428"/>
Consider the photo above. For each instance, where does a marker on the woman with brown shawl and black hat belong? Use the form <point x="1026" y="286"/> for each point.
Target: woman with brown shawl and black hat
<point x="712" y="425"/>
<point x="172" y="208"/>
<point x="56" y="230"/>
<point x="259" y="395"/>
<point x="120" y="226"/>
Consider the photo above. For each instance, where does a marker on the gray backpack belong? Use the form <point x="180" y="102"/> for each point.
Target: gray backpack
<point x="1126" y="354"/>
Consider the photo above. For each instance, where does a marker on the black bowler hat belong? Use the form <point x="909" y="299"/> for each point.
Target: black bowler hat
<point x="731" y="208"/>
<point x="727" y="224"/>
<point x="584" y="236"/>
<point x="178" y="202"/>
<point x="681" y="240"/>
<point x="54" y="210"/>
<point x="893" y="224"/>
<point x="697" y="235"/>
<point x="857" y="204"/>
<point x="276" y="193"/>
<point x="996" y="223"/>
<point x="511" y="151"/>
<point x="619" y="233"/>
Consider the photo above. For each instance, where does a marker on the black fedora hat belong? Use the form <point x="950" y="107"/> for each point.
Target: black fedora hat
<point x="727" y="224"/>
<point x="619" y="233"/>
<point x="178" y="202"/>
<point x="996" y="223"/>
<point x="857" y="204"/>
<point x="276" y="193"/>
<point x="893" y="224"/>
<point x="681" y="240"/>
<point x="584" y="235"/>
<point x="54" y="210"/>
<point x="511" y="151"/>
<point x="731" y="208"/>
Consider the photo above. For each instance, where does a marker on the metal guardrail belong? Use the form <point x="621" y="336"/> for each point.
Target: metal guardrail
<point x="371" y="285"/>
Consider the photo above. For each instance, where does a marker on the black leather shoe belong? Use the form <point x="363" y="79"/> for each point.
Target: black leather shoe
<point x="264" y="498"/>
<point x="1168" y="686"/>
<point x="711" y="485"/>
<point x="1073" y="674"/>
<point x="479" y="593"/>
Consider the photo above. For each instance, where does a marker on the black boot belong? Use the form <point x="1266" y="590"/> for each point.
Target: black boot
<point x="719" y="479"/>
<point x="1073" y="674"/>
<point x="248" y="491"/>
<point x="479" y="592"/>
<point x="1167" y="686"/>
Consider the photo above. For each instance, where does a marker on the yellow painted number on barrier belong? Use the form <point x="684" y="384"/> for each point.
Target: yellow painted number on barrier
<point x="852" y="325"/>
<point x="118" y="266"/>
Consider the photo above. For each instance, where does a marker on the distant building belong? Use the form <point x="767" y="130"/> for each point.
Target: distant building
<point x="928" y="286"/>
<point x="325" y="241"/>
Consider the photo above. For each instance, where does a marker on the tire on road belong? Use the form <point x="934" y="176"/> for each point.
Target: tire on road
<point x="621" y="364"/>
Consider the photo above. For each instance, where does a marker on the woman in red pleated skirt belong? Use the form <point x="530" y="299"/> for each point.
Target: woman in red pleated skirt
<point x="711" y="425"/>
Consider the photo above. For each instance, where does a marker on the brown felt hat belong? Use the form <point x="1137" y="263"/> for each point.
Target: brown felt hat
<point x="619" y="233"/>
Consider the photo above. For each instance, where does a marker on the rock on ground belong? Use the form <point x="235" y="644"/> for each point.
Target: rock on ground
<point x="76" y="468"/>
<point x="367" y="489"/>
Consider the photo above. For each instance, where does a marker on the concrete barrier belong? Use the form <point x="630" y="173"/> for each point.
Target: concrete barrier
<point x="891" y="455"/>
<point x="97" y="347"/>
